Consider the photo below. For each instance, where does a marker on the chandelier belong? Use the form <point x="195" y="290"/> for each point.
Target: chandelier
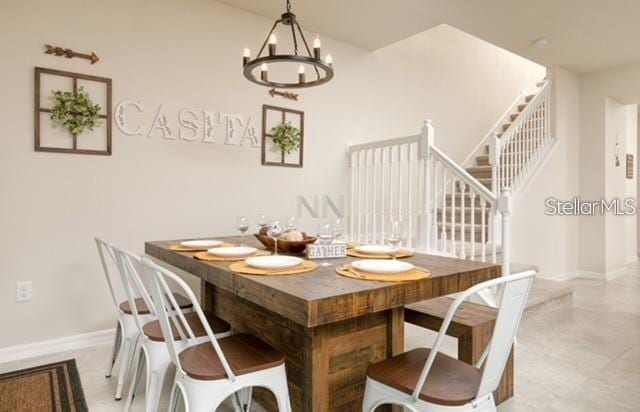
<point x="323" y="69"/>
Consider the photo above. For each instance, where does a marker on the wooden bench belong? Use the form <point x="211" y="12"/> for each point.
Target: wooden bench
<point x="472" y="326"/>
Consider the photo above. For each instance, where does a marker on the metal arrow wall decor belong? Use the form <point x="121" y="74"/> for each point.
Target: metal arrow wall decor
<point x="69" y="54"/>
<point x="286" y="95"/>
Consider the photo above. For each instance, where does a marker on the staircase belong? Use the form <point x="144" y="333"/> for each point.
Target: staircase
<point x="461" y="210"/>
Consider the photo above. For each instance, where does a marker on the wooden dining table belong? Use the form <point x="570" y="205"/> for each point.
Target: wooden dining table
<point x="330" y="327"/>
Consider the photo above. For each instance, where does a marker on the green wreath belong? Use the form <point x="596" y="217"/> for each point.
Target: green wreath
<point x="286" y="137"/>
<point x="75" y="111"/>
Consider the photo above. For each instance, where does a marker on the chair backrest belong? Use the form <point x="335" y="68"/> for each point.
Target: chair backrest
<point x="515" y="290"/>
<point x="133" y="286"/>
<point x="171" y="317"/>
<point x="105" y="248"/>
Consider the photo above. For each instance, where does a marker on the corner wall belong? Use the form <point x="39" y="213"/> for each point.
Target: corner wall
<point x="608" y="107"/>
<point x="551" y="242"/>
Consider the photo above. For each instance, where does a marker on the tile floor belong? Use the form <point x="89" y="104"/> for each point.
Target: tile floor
<point x="580" y="358"/>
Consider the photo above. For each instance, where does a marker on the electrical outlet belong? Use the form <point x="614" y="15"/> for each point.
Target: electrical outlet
<point x="23" y="291"/>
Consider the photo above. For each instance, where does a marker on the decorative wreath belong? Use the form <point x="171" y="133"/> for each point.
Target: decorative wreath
<point x="75" y="111"/>
<point x="286" y="137"/>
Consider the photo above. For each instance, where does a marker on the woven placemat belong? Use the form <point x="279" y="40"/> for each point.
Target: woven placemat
<point x="180" y="248"/>
<point x="206" y="256"/>
<point x="413" y="274"/>
<point x="401" y="254"/>
<point x="304" y="267"/>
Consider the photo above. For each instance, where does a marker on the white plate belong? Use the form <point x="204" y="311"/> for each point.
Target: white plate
<point x="382" y="266"/>
<point x="374" y="249"/>
<point x="201" y="244"/>
<point x="232" y="251"/>
<point x="273" y="262"/>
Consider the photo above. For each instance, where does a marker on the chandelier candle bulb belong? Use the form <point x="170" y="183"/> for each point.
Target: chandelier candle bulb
<point x="264" y="71"/>
<point x="316" y="48"/>
<point x="272" y="44"/>
<point x="246" y="56"/>
<point x="329" y="60"/>
<point x="301" y="75"/>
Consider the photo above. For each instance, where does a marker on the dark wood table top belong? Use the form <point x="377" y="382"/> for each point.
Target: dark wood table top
<point x="323" y="296"/>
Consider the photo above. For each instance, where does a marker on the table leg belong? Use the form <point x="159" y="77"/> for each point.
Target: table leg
<point x="326" y="365"/>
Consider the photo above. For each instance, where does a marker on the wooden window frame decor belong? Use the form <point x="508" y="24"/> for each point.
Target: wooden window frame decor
<point x="266" y="134"/>
<point x="38" y="109"/>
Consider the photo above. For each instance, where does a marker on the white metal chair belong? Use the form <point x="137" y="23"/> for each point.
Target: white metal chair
<point x="208" y="373"/>
<point x="426" y="380"/>
<point x="150" y="347"/>
<point x="126" y="330"/>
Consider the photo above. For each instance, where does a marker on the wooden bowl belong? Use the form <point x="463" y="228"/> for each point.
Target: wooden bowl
<point x="285" y="246"/>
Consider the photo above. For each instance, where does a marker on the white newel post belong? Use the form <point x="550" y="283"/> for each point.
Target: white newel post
<point x="426" y="142"/>
<point x="505" y="207"/>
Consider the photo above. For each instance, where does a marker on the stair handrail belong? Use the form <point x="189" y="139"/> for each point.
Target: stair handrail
<point x="499" y="143"/>
<point x="463" y="175"/>
<point x="522" y="117"/>
<point x="351" y="148"/>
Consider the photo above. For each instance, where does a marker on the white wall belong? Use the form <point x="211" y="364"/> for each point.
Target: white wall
<point x="187" y="54"/>
<point x="551" y="242"/>
<point x="607" y="106"/>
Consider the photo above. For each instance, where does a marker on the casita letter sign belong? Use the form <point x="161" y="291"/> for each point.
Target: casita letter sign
<point x="333" y="250"/>
<point x="189" y="125"/>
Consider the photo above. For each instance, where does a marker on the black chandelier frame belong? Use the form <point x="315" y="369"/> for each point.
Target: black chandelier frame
<point x="323" y="70"/>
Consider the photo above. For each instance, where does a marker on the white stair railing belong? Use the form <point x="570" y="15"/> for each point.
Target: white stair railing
<point x="384" y="185"/>
<point x="522" y="145"/>
<point x="445" y="209"/>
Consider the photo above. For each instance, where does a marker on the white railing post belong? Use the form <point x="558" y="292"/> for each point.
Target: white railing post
<point x="427" y="138"/>
<point x="505" y="206"/>
<point x="494" y="161"/>
<point x="498" y="177"/>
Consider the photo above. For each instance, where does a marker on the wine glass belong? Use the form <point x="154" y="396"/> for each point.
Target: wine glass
<point x="263" y="221"/>
<point x="338" y="228"/>
<point x="242" y="225"/>
<point x="325" y="237"/>
<point x="292" y="223"/>
<point x="274" y="231"/>
<point x="395" y="235"/>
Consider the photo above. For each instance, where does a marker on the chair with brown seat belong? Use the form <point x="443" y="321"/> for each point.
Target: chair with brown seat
<point x="427" y="380"/>
<point x="126" y="330"/>
<point x="472" y="326"/>
<point x="209" y="372"/>
<point x="151" y="350"/>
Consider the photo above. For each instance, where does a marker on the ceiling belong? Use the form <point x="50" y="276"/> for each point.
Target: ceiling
<point x="585" y="35"/>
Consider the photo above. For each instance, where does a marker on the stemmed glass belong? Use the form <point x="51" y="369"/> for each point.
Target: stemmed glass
<point x="263" y="221"/>
<point x="338" y="228"/>
<point x="292" y="223"/>
<point x="274" y="231"/>
<point x="394" y="237"/>
<point x="325" y="237"/>
<point x="242" y="225"/>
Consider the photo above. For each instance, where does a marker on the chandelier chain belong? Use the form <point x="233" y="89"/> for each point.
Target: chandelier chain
<point x="288" y="6"/>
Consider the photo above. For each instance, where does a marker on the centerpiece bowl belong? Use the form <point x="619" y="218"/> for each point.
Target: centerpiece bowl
<point x="286" y="246"/>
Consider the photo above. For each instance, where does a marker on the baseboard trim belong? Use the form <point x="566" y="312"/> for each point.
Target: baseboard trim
<point x="586" y="274"/>
<point x="575" y="274"/>
<point x="46" y="347"/>
<point x="614" y="274"/>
